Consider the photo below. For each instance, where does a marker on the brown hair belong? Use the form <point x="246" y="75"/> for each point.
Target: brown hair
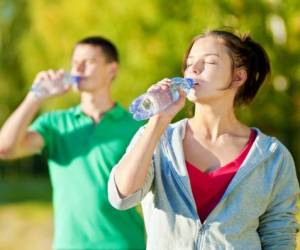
<point x="246" y="53"/>
<point x="108" y="48"/>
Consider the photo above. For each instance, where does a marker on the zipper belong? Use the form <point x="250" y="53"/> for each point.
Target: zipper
<point x="201" y="236"/>
<point x="248" y="167"/>
<point x="198" y="238"/>
<point x="199" y="232"/>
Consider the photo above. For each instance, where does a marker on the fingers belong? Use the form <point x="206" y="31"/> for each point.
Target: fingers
<point x="41" y="76"/>
<point x="164" y="84"/>
<point x="181" y="99"/>
<point x="49" y="75"/>
<point x="50" y="83"/>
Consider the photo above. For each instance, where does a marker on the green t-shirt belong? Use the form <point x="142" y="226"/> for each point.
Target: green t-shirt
<point x="81" y="155"/>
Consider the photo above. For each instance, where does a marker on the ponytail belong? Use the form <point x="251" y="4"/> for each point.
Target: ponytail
<point x="257" y="64"/>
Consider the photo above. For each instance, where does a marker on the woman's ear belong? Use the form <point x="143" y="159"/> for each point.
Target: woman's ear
<point x="239" y="77"/>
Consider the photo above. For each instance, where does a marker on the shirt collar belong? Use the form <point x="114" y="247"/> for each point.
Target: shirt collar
<point x="115" y="112"/>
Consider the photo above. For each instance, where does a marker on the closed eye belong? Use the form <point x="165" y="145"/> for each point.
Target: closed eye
<point x="210" y="62"/>
<point x="189" y="63"/>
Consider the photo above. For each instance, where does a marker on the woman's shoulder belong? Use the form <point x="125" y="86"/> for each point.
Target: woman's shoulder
<point x="177" y="128"/>
<point x="178" y="124"/>
<point x="268" y="144"/>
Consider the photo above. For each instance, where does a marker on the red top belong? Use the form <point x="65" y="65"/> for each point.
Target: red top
<point x="208" y="188"/>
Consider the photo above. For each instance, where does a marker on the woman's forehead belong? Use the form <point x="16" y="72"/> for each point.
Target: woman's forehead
<point x="208" y="46"/>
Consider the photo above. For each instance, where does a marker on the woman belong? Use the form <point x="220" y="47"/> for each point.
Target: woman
<point x="211" y="182"/>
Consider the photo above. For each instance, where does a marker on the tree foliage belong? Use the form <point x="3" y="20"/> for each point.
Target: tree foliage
<point x="152" y="36"/>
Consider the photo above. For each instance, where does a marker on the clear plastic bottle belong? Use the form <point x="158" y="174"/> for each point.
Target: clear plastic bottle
<point x="152" y="102"/>
<point x="46" y="87"/>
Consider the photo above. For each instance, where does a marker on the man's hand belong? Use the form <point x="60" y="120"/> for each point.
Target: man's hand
<point x="49" y="84"/>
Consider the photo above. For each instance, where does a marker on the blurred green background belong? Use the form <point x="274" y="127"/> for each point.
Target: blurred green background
<point x="152" y="36"/>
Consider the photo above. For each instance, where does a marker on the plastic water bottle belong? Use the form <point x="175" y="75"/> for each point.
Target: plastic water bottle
<point x="152" y="102"/>
<point x="46" y="87"/>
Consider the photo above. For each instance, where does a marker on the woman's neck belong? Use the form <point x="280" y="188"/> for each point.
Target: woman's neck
<point x="210" y="122"/>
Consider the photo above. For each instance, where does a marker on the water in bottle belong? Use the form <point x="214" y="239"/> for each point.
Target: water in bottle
<point x="47" y="87"/>
<point x="155" y="101"/>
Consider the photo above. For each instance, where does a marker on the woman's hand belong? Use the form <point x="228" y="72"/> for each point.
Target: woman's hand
<point x="175" y="107"/>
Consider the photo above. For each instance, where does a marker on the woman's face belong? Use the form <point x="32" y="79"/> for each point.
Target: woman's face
<point x="210" y="65"/>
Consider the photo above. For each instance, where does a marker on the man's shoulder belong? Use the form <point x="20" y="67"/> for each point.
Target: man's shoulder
<point x="56" y="118"/>
<point x="71" y="111"/>
<point x="127" y="117"/>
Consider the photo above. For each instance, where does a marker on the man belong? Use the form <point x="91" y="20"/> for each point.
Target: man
<point x="82" y="144"/>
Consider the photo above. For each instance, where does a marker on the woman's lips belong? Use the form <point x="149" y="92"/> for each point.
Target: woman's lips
<point x="196" y="82"/>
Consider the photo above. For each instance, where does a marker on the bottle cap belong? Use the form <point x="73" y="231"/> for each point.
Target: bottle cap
<point x="75" y="79"/>
<point x="190" y="82"/>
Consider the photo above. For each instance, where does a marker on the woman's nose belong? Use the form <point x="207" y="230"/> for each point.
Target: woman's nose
<point x="197" y="68"/>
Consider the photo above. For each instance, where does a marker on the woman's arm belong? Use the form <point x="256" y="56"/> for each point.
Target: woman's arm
<point x="131" y="171"/>
<point x="278" y="225"/>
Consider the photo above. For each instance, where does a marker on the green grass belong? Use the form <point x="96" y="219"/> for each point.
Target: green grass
<point x="26" y="226"/>
<point x="25" y="214"/>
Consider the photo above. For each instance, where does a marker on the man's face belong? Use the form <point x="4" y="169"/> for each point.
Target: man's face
<point x="90" y="64"/>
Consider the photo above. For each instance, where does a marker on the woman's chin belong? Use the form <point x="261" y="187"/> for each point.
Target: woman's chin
<point x="192" y="96"/>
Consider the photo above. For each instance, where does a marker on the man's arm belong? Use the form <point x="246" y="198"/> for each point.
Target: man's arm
<point x="15" y="139"/>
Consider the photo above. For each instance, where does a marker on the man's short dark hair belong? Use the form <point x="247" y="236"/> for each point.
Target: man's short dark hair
<point x="108" y="48"/>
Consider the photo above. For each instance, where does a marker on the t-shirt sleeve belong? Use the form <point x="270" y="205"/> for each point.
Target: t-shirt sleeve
<point x="42" y="125"/>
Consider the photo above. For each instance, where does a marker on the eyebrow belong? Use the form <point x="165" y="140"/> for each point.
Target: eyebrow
<point x="207" y="54"/>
